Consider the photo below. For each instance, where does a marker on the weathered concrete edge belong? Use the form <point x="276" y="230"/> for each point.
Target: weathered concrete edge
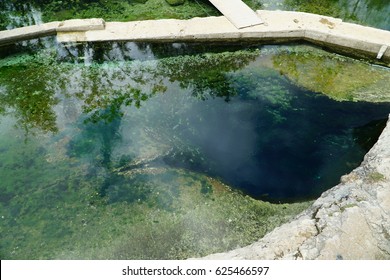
<point x="8" y="37"/>
<point x="12" y="36"/>
<point x="347" y="38"/>
<point x="280" y="26"/>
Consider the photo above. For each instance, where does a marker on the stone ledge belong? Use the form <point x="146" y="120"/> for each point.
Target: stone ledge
<point x="279" y="26"/>
<point x="29" y="32"/>
<point x="12" y="36"/>
<point x="75" y="25"/>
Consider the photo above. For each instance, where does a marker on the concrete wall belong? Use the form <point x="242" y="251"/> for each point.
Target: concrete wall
<point x="279" y="26"/>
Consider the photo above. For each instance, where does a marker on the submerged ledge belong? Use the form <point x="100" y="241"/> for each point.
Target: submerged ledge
<point x="279" y="26"/>
<point x="349" y="221"/>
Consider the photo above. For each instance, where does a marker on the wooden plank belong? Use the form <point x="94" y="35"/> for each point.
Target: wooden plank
<point x="237" y="12"/>
<point x="381" y="52"/>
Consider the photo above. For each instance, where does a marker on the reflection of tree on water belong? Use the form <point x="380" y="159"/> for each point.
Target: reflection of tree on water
<point x="23" y="94"/>
<point x="33" y="87"/>
<point x="205" y="74"/>
<point x="96" y="142"/>
<point x="179" y="131"/>
<point x="106" y="89"/>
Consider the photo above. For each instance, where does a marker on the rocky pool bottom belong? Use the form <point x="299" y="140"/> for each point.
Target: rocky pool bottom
<point x="135" y="151"/>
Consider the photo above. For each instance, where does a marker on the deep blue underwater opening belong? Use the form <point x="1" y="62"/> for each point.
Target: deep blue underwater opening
<point x="317" y="141"/>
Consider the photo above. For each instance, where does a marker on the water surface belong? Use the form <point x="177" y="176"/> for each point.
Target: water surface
<point x="112" y="143"/>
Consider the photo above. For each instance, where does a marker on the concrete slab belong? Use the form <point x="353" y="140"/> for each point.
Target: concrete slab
<point x="237" y="12"/>
<point x="279" y="26"/>
<point x="49" y="29"/>
<point x="81" y="25"/>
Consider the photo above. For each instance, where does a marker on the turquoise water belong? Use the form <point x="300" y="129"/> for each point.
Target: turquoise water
<point x="94" y="133"/>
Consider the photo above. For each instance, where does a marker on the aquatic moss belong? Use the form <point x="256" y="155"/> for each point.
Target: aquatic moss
<point x="339" y="77"/>
<point x="81" y="202"/>
<point x="24" y="90"/>
<point x="176" y="220"/>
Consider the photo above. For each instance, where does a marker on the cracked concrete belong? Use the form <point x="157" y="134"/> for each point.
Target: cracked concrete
<point x="349" y="221"/>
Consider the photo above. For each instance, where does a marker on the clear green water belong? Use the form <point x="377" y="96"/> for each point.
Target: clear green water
<point x="148" y="151"/>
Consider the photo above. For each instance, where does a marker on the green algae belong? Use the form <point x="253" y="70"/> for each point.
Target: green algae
<point x="129" y="208"/>
<point x="172" y="218"/>
<point x="339" y="77"/>
<point x="375" y="177"/>
<point x="49" y="210"/>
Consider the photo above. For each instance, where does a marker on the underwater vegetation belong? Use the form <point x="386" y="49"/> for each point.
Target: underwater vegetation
<point x="83" y="180"/>
<point x="140" y="151"/>
<point x="338" y="77"/>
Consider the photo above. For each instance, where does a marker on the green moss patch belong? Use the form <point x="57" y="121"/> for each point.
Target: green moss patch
<point x="178" y="215"/>
<point x="339" y="77"/>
